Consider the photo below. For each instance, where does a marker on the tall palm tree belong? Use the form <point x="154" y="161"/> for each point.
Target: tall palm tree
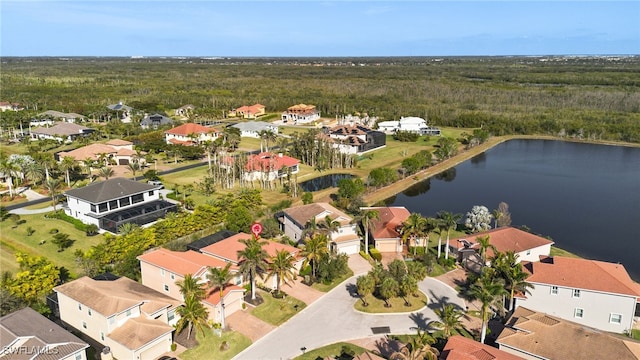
<point x="442" y="226"/>
<point x="451" y="221"/>
<point x="35" y="172"/>
<point x="418" y="348"/>
<point x="67" y="164"/>
<point x="219" y="279"/>
<point x="253" y="261"/>
<point x="489" y="291"/>
<point x="367" y="218"/>
<point x="329" y="226"/>
<point x="413" y="228"/>
<point x="190" y="287"/>
<point x="134" y="167"/>
<point x="9" y="169"/>
<point x="511" y="271"/>
<point x="281" y="266"/>
<point x="105" y="172"/>
<point x="484" y="243"/>
<point x="192" y="314"/>
<point x="314" y="249"/>
<point x="449" y="316"/>
<point x="53" y="185"/>
<point x="89" y="163"/>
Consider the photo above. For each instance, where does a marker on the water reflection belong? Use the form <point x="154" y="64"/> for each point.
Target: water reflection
<point x="324" y="182"/>
<point x="419" y="188"/>
<point x="447" y="175"/>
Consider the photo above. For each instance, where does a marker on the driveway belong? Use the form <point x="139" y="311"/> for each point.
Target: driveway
<point x="332" y="318"/>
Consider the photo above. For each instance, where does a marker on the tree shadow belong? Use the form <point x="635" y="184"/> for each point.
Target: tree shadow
<point x="387" y="346"/>
<point x="420" y="321"/>
<point x="439" y="302"/>
<point x="353" y="290"/>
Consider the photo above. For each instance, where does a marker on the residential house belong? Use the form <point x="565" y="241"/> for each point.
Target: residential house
<point x="301" y="114"/>
<point x="61" y="132"/>
<point x="528" y="246"/>
<point x="57" y="115"/>
<point x="117" y="151"/>
<point x="253" y="128"/>
<point x="294" y="220"/>
<point x="462" y="348"/>
<point x="248" y="112"/>
<point x="155" y="121"/>
<point x="25" y="334"/>
<point x="114" y="202"/>
<point x="129" y="319"/>
<point x="355" y="139"/>
<point x="161" y="269"/>
<point x="411" y="124"/>
<point x="6" y="105"/>
<point x="384" y="232"/>
<point x="191" y="134"/>
<point x="227" y="251"/>
<point x="123" y="111"/>
<point x="185" y="110"/>
<point x="536" y="335"/>
<point x="592" y="293"/>
<point x="268" y="166"/>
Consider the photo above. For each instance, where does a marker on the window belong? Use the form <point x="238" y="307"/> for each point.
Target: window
<point x="171" y="316"/>
<point x="84" y="324"/>
<point x="113" y="204"/>
<point x="162" y="272"/>
<point x="166" y="287"/>
<point x="101" y="336"/>
<point x="528" y="252"/>
<point x="554" y="290"/>
<point x="173" y="277"/>
<point x="128" y="312"/>
<point x="615" y="318"/>
<point x="151" y="193"/>
<point x="578" y="313"/>
<point x="79" y="356"/>
<point x="93" y="208"/>
<point x="79" y="306"/>
<point x="576" y="293"/>
<point x="102" y="207"/>
<point x="125" y="201"/>
<point x="89" y="312"/>
<point x="137" y="198"/>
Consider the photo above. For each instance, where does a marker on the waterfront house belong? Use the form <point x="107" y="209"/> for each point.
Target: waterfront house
<point x="130" y="320"/>
<point x="123" y="111"/>
<point x="301" y="114"/>
<point x="6" y="105"/>
<point x="593" y="293"/>
<point x="410" y="124"/>
<point x="268" y="166"/>
<point x="355" y="139"/>
<point x="191" y="134"/>
<point x="385" y="231"/>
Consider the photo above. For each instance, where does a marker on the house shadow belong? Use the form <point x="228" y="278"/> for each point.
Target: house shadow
<point x="386" y="346"/>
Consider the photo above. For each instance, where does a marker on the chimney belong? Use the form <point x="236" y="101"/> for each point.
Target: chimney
<point x="279" y="154"/>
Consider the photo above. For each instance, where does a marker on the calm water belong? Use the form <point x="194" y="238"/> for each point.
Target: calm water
<point x="323" y="182"/>
<point x="585" y="197"/>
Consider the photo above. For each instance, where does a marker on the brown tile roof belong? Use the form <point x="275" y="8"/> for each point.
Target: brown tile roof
<point x="190" y="128"/>
<point x="530" y="331"/>
<point x="228" y="248"/>
<point x="90" y="151"/>
<point x="181" y="263"/>
<point x="345" y="238"/>
<point x="303" y="214"/>
<point x="507" y="239"/>
<point x="390" y="219"/>
<point x="61" y="128"/>
<point x="582" y="274"/>
<point x="137" y="332"/>
<point x="109" y="189"/>
<point x="119" y="142"/>
<point x="461" y="348"/>
<point x="302" y="109"/>
<point x="112" y="297"/>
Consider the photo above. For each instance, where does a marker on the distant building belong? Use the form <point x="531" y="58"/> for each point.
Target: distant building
<point x="301" y="114"/>
<point x="57" y="115"/>
<point x="123" y="111"/>
<point x="155" y="121"/>
<point x="185" y="110"/>
<point x="61" y="132"/>
<point x="248" y="112"/>
<point x="191" y="134"/>
<point x="6" y="105"/>
<point x="253" y="128"/>
<point x="120" y="151"/>
<point x="355" y="139"/>
<point x="410" y="124"/>
<point x="269" y="166"/>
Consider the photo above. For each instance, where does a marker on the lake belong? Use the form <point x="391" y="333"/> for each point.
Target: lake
<point x="586" y="197"/>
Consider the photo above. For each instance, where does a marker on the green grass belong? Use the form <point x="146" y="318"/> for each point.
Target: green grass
<point x="277" y="311"/>
<point x="560" y="252"/>
<point x="635" y="333"/>
<point x="327" y="287"/>
<point x="376" y="306"/>
<point x="209" y="347"/>
<point x="330" y="351"/>
<point x="16" y="239"/>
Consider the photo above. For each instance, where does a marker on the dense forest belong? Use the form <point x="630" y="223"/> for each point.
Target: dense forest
<point x="581" y="97"/>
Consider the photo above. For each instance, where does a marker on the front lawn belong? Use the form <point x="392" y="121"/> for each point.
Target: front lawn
<point x="210" y="344"/>
<point x="277" y="311"/>
<point x="377" y="306"/>
<point x="330" y="351"/>
<point x="635" y="333"/>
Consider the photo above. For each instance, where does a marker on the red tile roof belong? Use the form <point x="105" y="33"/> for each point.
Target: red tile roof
<point x="251" y="109"/>
<point x="228" y="248"/>
<point x="462" y="348"/>
<point x="582" y="274"/>
<point x="181" y="263"/>
<point x="268" y="160"/>
<point x="507" y="239"/>
<point x="213" y="296"/>
<point x="190" y="128"/>
<point x="390" y="219"/>
<point x="118" y="142"/>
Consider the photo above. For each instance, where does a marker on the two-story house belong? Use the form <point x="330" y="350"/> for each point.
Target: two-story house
<point x="592" y="293"/>
<point x="345" y="239"/>
<point x="162" y="269"/>
<point x="411" y="124"/>
<point x="356" y="139"/>
<point x="190" y="134"/>
<point x="269" y="166"/>
<point x="131" y="320"/>
<point x="301" y="114"/>
<point x="25" y="334"/>
<point x="111" y="203"/>
<point x="384" y="231"/>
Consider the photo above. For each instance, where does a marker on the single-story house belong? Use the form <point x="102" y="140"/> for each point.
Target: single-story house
<point x="345" y="239"/>
<point x="123" y="111"/>
<point x="301" y="114"/>
<point x="67" y="117"/>
<point x="248" y="112"/>
<point x="129" y="319"/>
<point x="253" y="128"/>
<point x="384" y="232"/>
<point x="356" y="139"/>
<point x="25" y="334"/>
<point x="120" y="151"/>
<point x="6" y="105"/>
<point x="191" y="134"/>
<point x="535" y="335"/>
<point x="411" y="124"/>
<point x="111" y="203"/>
<point x="61" y="132"/>
<point x="155" y="121"/>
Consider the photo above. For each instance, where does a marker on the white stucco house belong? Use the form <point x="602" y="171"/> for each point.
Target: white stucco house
<point x="294" y="220"/>
<point x="268" y="166"/>
<point x="411" y="124"/>
<point x="253" y="128"/>
<point x="190" y="134"/>
<point x="354" y="139"/>
<point x="589" y="292"/>
<point x="111" y="203"/>
<point x="301" y="114"/>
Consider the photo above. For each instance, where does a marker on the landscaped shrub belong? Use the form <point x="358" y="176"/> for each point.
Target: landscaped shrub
<point x="447" y="263"/>
<point x="417" y="250"/>
<point x="30" y="231"/>
<point x="305" y="270"/>
<point x="60" y="215"/>
<point x="375" y="254"/>
<point x="365" y="255"/>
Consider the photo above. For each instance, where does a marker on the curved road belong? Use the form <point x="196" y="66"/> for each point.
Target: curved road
<point x="332" y="318"/>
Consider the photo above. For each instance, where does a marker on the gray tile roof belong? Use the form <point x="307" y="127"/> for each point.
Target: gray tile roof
<point x="63" y="129"/>
<point x="109" y="190"/>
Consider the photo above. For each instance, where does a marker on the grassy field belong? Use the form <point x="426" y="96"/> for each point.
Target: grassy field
<point x="277" y="311"/>
<point x="209" y="347"/>
<point x="330" y="351"/>
<point x="377" y="306"/>
<point x="14" y="238"/>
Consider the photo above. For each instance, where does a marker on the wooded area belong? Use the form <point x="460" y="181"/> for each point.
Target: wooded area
<point x="582" y="97"/>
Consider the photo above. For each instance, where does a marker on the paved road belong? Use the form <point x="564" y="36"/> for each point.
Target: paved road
<point x="332" y="318"/>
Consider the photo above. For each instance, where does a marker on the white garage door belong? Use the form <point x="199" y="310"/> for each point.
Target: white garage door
<point x="349" y="249"/>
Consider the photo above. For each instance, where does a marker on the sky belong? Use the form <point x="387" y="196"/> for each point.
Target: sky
<point x="308" y="28"/>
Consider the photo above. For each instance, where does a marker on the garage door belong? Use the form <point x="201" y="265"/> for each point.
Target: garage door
<point x="349" y="248"/>
<point x="386" y="246"/>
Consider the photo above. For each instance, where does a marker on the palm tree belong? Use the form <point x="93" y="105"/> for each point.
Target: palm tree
<point x="365" y="285"/>
<point x="413" y="228"/>
<point x="89" y="163"/>
<point x="268" y="136"/>
<point x="9" y="169"/>
<point x="418" y="348"/>
<point x="451" y="221"/>
<point x="281" y="266"/>
<point x="192" y="314"/>
<point x="449" y="319"/>
<point x="484" y="243"/>
<point x="367" y="218"/>
<point x="510" y="270"/>
<point x="134" y="167"/>
<point x="407" y="286"/>
<point x="488" y="290"/>
<point x="35" y="172"/>
<point x="388" y="289"/>
<point x="53" y="185"/>
<point x="253" y="261"/>
<point x="67" y="164"/>
<point x="219" y="279"/>
<point x="329" y="226"/>
<point x="442" y="226"/>
<point x="190" y="287"/>
<point x="314" y="249"/>
<point x="310" y="229"/>
<point x="105" y="172"/>
<point x="128" y="228"/>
